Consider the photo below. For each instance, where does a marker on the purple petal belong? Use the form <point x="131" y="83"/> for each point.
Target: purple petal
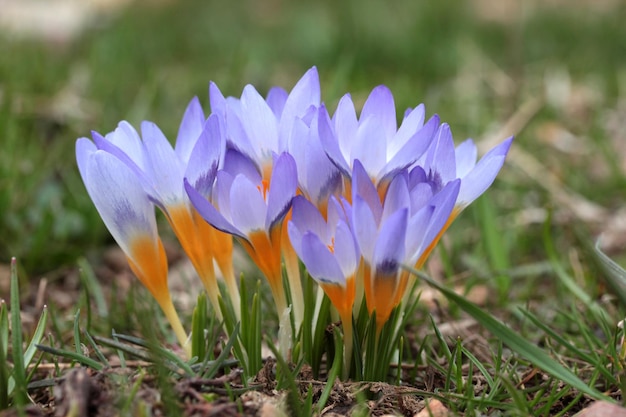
<point x="345" y="124"/>
<point x="363" y="187"/>
<point x="276" y="99"/>
<point x="416" y="231"/>
<point x="236" y="163"/>
<point x="247" y="205"/>
<point x="205" y="157"/>
<point x="283" y="185"/>
<point x="216" y="100"/>
<point x="190" y="129"/>
<point x="412" y="150"/>
<point x="167" y="171"/>
<point x="465" y="155"/>
<point x="389" y="252"/>
<point x="305" y="93"/>
<point x="365" y="227"/>
<point x="119" y="198"/>
<point x="209" y="213"/>
<point x="260" y="123"/>
<point x="380" y="105"/>
<point x="413" y="121"/>
<point x="397" y="196"/>
<point x="484" y="173"/>
<point x="306" y="217"/>
<point x="441" y="156"/>
<point x="319" y="262"/>
<point x="444" y="203"/>
<point x="125" y="138"/>
<point x="345" y="249"/>
<point x="370" y="145"/>
<point x="84" y="149"/>
<point x="330" y="143"/>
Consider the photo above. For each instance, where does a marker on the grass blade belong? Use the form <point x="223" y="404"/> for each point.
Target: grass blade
<point x="514" y="340"/>
<point x="19" y="372"/>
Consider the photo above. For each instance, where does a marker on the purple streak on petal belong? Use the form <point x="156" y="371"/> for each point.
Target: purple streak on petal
<point x="205" y="157"/>
<point x="319" y="262"/>
<point x="190" y="129"/>
<point x="247" y="205"/>
<point x="236" y="163"/>
<point x="330" y="143"/>
<point x="276" y="99"/>
<point x="119" y="198"/>
<point x="389" y="252"/>
<point x="440" y="158"/>
<point x="260" y="124"/>
<point x="370" y="145"/>
<point x="412" y="150"/>
<point x="167" y="171"/>
<point x="413" y="121"/>
<point x="484" y="173"/>
<point x="283" y="185"/>
<point x="381" y="106"/>
<point x="363" y="187"/>
<point x="306" y="217"/>
<point x="305" y="93"/>
<point x="465" y="155"/>
<point x="209" y="213"/>
<point x="397" y="196"/>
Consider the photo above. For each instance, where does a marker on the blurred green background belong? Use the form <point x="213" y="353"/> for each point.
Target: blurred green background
<point x="476" y="63"/>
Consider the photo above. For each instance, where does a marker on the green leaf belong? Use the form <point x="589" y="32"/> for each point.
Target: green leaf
<point x="514" y="341"/>
<point x="19" y="372"/>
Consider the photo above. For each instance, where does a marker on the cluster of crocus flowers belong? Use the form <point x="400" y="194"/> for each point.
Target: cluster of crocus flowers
<point x="353" y="197"/>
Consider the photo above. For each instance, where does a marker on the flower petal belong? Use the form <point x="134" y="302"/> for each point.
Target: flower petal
<point x="412" y="150"/>
<point x="330" y="142"/>
<point x="247" y="205"/>
<point x="413" y="122"/>
<point x="166" y="170"/>
<point x="276" y="99"/>
<point x="306" y="217"/>
<point x="363" y="187"/>
<point x="204" y="159"/>
<point x="190" y="129"/>
<point x="209" y="213"/>
<point x="389" y="251"/>
<point x="260" y="123"/>
<point x="305" y="93"/>
<point x="319" y="262"/>
<point x="440" y="157"/>
<point x="484" y="173"/>
<point x="380" y="104"/>
<point x="283" y="185"/>
<point x="465" y="155"/>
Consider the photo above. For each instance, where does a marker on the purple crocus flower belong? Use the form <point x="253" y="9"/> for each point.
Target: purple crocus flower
<point x="443" y="163"/>
<point x="393" y="233"/>
<point x="252" y="209"/>
<point x="128" y="213"/>
<point x="374" y="138"/>
<point x="160" y="169"/>
<point x="329" y="251"/>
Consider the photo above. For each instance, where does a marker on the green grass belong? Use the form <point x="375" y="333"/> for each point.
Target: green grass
<point x="541" y="274"/>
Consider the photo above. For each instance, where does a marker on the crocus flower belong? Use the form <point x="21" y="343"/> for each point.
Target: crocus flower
<point x="374" y="138"/>
<point x="393" y="233"/>
<point x="261" y="128"/>
<point x="329" y="251"/>
<point x="252" y="210"/>
<point x="443" y="163"/>
<point x="160" y="168"/>
<point x="129" y="215"/>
